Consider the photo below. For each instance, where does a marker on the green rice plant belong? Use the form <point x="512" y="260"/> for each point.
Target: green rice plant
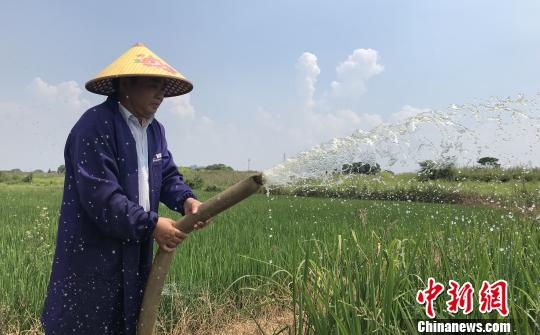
<point x="341" y="265"/>
<point x="367" y="280"/>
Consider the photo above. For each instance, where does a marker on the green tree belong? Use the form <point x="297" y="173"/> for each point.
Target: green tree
<point x="429" y="170"/>
<point x="361" y="168"/>
<point x="61" y="169"/>
<point x="489" y="161"/>
<point x="219" y="167"/>
<point x="27" y="178"/>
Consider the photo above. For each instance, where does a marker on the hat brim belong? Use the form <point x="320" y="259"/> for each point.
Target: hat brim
<point x="104" y="85"/>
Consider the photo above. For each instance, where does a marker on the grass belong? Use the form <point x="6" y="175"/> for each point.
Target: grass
<point x="340" y="265"/>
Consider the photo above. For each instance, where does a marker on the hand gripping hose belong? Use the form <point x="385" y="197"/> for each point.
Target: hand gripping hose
<point x="162" y="261"/>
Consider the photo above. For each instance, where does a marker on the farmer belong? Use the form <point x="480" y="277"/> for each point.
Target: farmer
<point x="118" y="169"/>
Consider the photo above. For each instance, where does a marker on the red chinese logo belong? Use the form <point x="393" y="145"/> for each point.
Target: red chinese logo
<point x="494" y="297"/>
<point x="460" y="297"/>
<point x="429" y="295"/>
<point x="150" y="60"/>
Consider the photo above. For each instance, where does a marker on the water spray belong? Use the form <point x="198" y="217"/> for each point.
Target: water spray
<point x="163" y="259"/>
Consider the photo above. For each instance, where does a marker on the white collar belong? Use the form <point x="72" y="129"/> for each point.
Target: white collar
<point x="128" y="115"/>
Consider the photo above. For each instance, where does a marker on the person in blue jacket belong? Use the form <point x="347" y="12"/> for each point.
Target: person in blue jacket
<point x="118" y="169"/>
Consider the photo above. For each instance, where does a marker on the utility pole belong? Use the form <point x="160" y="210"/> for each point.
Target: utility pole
<point x="249" y="161"/>
<point x="284" y="157"/>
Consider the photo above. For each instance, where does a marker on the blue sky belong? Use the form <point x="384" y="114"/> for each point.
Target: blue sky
<point x="252" y="64"/>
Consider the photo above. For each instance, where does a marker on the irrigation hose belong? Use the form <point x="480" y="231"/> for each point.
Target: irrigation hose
<point x="162" y="262"/>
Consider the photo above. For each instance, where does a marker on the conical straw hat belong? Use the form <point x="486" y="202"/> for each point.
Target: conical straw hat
<point x="139" y="61"/>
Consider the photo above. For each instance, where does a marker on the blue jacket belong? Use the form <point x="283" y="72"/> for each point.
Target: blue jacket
<point x="104" y="244"/>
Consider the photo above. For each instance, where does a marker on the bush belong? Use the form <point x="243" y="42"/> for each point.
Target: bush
<point x="9" y="178"/>
<point x="196" y="182"/>
<point x="430" y="170"/>
<point x="27" y="178"/>
<point x="212" y="188"/>
<point x="219" y="167"/>
<point x="361" y="168"/>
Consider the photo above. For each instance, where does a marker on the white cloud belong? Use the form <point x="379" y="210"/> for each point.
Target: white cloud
<point x="66" y="93"/>
<point x="182" y="107"/>
<point x="406" y="112"/>
<point x="307" y="71"/>
<point x="324" y="126"/>
<point x="39" y="123"/>
<point x="334" y="113"/>
<point x="263" y="135"/>
<point x="206" y="121"/>
<point x="353" y="73"/>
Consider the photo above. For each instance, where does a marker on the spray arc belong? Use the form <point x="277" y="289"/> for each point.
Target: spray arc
<point x="163" y="259"/>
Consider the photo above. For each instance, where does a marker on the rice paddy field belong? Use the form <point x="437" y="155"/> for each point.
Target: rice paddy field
<point x="331" y="265"/>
